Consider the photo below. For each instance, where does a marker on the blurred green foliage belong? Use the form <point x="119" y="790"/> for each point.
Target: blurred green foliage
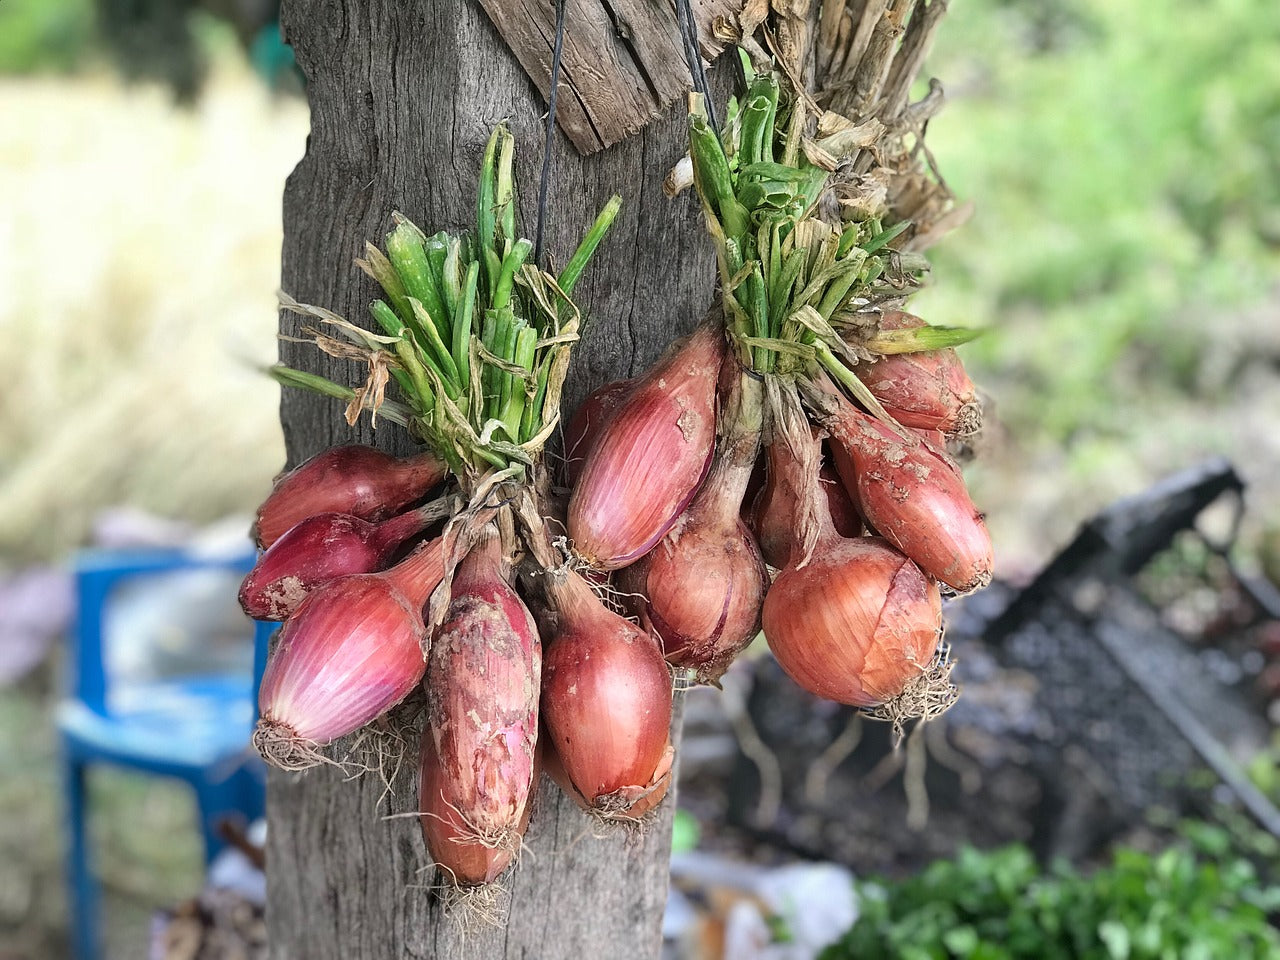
<point x="44" y="34"/>
<point x="1000" y="905"/>
<point x="1125" y="162"/>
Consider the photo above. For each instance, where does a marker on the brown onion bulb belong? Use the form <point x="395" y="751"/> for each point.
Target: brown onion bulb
<point x="856" y="621"/>
<point x="357" y="480"/>
<point x="857" y="624"/>
<point x="650" y="457"/>
<point x="929" y="389"/>
<point x="606" y="703"/>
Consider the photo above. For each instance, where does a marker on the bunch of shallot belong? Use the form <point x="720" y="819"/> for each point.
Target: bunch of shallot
<point x="813" y="372"/>
<point x="418" y="573"/>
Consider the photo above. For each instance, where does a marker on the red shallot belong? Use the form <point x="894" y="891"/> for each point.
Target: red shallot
<point x="323" y="548"/>
<point x="650" y="457"/>
<point x="914" y="496"/>
<point x="351" y="651"/>
<point x="354" y="479"/>
<point x="606" y="703"/>
<point x="929" y="389"/>
<point x="482" y="712"/>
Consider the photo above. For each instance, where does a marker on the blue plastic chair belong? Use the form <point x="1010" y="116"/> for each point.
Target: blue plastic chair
<point x="193" y="728"/>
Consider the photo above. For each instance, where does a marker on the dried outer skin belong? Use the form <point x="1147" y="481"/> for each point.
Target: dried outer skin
<point x="606" y="705"/>
<point x="929" y="389"/>
<point x="759" y="477"/>
<point x="352" y="651"/>
<point x="466" y="861"/>
<point x="650" y="457"/>
<point x="844" y="515"/>
<point x="699" y="592"/>
<point x="774" y="512"/>
<point x="313" y="551"/>
<point x="914" y="496"/>
<point x="935" y="438"/>
<point x="638" y="800"/>
<point x="482" y="689"/>
<point x="357" y="480"/>
<point x="583" y="430"/>
<point x="856" y="624"/>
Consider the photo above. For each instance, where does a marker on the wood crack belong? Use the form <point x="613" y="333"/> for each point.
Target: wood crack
<point x="622" y="30"/>
<point x="623" y="59"/>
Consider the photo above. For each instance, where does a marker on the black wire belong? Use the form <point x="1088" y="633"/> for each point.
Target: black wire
<point x="689" y="35"/>
<point x="556" y="52"/>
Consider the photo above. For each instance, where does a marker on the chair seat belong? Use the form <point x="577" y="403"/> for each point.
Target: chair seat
<point x="169" y="727"/>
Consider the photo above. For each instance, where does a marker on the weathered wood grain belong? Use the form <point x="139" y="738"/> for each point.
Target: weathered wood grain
<point x="622" y="64"/>
<point x="403" y="95"/>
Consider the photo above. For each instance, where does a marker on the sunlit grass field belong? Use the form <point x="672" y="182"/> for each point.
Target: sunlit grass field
<point x="139" y="259"/>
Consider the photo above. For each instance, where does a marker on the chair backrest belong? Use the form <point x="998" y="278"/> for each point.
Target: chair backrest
<point x="263" y="630"/>
<point x="97" y="574"/>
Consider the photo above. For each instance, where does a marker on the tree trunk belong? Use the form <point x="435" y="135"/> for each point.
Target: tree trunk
<point x="403" y="97"/>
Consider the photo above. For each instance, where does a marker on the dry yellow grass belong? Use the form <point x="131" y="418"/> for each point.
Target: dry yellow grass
<point x="139" y="258"/>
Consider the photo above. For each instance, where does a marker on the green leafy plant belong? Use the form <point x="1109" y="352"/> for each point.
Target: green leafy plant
<point x="44" y="34"/>
<point x="476" y="337"/>
<point x="1001" y="905"/>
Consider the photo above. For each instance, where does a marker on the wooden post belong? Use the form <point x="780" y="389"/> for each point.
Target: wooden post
<point x="403" y="96"/>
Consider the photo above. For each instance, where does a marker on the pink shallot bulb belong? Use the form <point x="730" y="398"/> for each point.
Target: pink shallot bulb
<point x="585" y="426"/>
<point x="650" y="457"/>
<point x="323" y="548"/>
<point x="700" y="589"/>
<point x="351" y="652"/>
<point x="606" y="704"/>
<point x="357" y="480"/>
<point x="914" y="496"/>
<point x="929" y="389"/>
<point x="482" y="683"/>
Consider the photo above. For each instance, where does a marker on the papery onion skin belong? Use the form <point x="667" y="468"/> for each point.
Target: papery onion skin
<point x="773" y="516"/>
<point x="700" y="589"/>
<point x="317" y="550"/>
<point x="914" y="496"/>
<point x="856" y="624"/>
<point x="935" y="438"/>
<point x="482" y="689"/>
<point x="650" y="457"/>
<point x="586" y="424"/>
<point x="641" y="800"/>
<point x="354" y="479"/>
<point x="929" y="389"/>
<point x="844" y="514"/>
<point x="774" y="512"/>
<point x="606" y="701"/>
<point x="352" y="651"/>
<point x="464" y="861"/>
